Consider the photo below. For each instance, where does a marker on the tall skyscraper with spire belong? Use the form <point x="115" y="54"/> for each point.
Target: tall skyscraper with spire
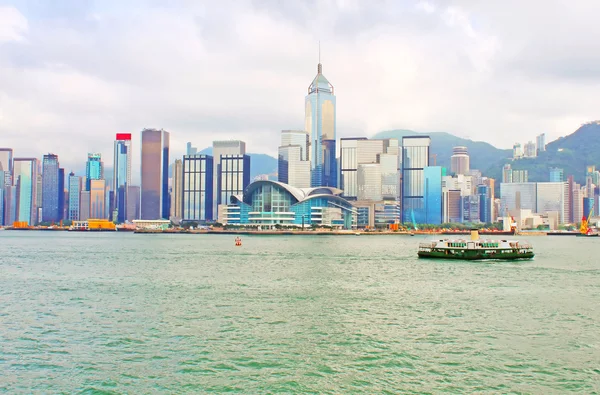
<point x="319" y="110"/>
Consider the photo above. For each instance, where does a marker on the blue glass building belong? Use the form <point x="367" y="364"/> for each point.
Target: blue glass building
<point x="588" y="204"/>
<point x="197" y="188"/>
<point x="485" y="203"/>
<point x="94" y="169"/>
<point x="74" y="191"/>
<point x="25" y="171"/>
<point x="269" y="203"/>
<point x="320" y="123"/>
<point x="121" y="176"/>
<point x="415" y="158"/>
<point x="557" y="174"/>
<point x="432" y="192"/>
<point x="50" y="210"/>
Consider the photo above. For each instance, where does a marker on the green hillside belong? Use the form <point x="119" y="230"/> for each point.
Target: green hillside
<point x="481" y="154"/>
<point x="572" y="153"/>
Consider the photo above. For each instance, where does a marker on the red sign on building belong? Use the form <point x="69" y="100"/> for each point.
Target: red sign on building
<point x="123" y="136"/>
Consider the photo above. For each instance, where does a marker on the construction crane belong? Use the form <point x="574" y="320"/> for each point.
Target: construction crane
<point x="434" y="156"/>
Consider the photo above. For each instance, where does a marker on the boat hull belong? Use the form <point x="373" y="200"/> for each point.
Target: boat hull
<point x="470" y="255"/>
<point x="587" y="235"/>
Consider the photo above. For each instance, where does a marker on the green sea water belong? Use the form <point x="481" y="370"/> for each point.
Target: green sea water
<point x="142" y="314"/>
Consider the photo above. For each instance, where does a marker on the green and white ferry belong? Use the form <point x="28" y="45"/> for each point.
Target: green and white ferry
<point x="476" y="249"/>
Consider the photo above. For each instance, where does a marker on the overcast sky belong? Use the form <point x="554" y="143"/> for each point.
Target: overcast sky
<point x="74" y="73"/>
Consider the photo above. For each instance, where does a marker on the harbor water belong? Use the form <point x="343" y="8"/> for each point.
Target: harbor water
<point x="115" y="313"/>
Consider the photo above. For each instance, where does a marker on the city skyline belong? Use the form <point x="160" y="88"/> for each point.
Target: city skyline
<point x="434" y="96"/>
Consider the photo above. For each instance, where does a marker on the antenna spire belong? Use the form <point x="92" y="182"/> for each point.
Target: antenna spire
<point x="319" y="67"/>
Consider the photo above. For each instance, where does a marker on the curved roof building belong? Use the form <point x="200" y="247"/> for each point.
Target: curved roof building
<point x="271" y="203"/>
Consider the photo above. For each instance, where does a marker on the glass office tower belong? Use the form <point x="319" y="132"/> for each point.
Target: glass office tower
<point x="74" y="191"/>
<point x="94" y="169"/>
<point x="197" y="188"/>
<point x="155" y="174"/>
<point x="25" y="171"/>
<point x="433" y="194"/>
<point x="122" y="175"/>
<point x="415" y="158"/>
<point x="50" y="189"/>
<point x="320" y="123"/>
<point x="234" y="176"/>
<point x="221" y="148"/>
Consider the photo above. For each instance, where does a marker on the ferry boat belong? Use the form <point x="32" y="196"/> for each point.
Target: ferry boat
<point x="476" y="249"/>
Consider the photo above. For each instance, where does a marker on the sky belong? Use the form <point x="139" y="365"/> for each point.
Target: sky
<point x="74" y="73"/>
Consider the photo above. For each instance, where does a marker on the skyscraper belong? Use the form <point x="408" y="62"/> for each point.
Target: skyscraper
<point x="122" y="175"/>
<point x="61" y="193"/>
<point x="540" y="142"/>
<point x="191" y="150"/>
<point x="415" y="158"/>
<point x="234" y="177"/>
<point x="529" y="150"/>
<point x="197" y="188"/>
<point x="6" y="164"/>
<point x="459" y="161"/>
<point x="432" y="189"/>
<point x="25" y="175"/>
<point x="84" y="205"/>
<point x="358" y="151"/>
<point x="74" y="191"/>
<point x="293" y="167"/>
<point x="320" y="123"/>
<point x="133" y="203"/>
<point x="94" y="169"/>
<point x="50" y="189"/>
<point x="97" y="199"/>
<point x="176" y="192"/>
<point x="231" y="148"/>
<point x="155" y="174"/>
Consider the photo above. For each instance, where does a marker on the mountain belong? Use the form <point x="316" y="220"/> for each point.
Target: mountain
<point x="481" y="154"/>
<point x="259" y="163"/>
<point x="572" y="153"/>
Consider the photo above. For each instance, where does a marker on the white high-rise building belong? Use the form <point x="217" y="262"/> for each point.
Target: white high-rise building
<point x="293" y="164"/>
<point x="369" y="181"/>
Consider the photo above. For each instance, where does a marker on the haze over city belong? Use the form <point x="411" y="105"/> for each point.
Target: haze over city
<point x="74" y="73"/>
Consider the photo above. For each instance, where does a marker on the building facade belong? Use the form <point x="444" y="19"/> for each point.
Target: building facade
<point x="234" y="176"/>
<point x="97" y="199"/>
<point x="432" y="192"/>
<point x="50" y="189"/>
<point x="291" y="168"/>
<point x="540" y="142"/>
<point x="270" y="203"/>
<point x="74" y="196"/>
<point x="557" y="174"/>
<point x="134" y="206"/>
<point x="362" y="151"/>
<point x="25" y="176"/>
<point x="220" y="148"/>
<point x="155" y="174"/>
<point x="121" y="176"/>
<point x="176" y="191"/>
<point x="94" y="169"/>
<point x="6" y="165"/>
<point x="320" y="124"/>
<point x="197" y="188"/>
<point x="460" y="161"/>
<point x="415" y="158"/>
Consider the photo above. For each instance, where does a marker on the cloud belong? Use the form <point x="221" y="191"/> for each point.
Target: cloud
<point x="72" y="74"/>
<point x="13" y="25"/>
